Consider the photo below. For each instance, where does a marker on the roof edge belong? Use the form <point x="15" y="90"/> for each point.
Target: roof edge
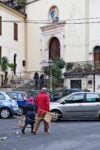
<point x="13" y="10"/>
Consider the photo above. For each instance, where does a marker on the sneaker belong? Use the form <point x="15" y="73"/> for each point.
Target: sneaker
<point x="23" y="131"/>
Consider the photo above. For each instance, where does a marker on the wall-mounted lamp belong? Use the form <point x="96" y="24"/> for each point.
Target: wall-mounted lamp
<point x="90" y="53"/>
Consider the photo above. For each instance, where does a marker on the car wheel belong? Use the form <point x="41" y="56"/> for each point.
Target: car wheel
<point x="99" y="116"/>
<point x="57" y="115"/>
<point x="5" y="113"/>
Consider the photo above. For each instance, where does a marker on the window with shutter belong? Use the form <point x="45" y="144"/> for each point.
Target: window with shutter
<point x="15" y="31"/>
<point x="0" y="54"/>
<point x="0" y="25"/>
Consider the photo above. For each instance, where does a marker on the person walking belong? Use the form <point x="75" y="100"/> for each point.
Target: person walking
<point x="42" y="101"/>
<point x="41" y="81"/>
<point x="30" y="111"/>
<point x="36" y="79"/>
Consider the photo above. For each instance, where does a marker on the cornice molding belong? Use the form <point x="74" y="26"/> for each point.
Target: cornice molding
<point x="53" y="26"/>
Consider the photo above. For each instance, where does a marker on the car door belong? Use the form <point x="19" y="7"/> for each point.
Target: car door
<point x="91" y="106"/>
<point x="20" y="99"/>
<point x="72" y="106"/>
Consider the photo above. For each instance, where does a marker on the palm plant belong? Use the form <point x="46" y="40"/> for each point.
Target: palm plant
<point x="21" y="2"/>
<point x="58" y="64"/>
<point x="4" y="68"/>
<point x="13" y="67"/>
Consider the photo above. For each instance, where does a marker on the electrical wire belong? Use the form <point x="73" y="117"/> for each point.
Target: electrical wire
<point x="43" y="22"/>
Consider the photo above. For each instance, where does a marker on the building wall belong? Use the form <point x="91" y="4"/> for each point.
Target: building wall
<point x="94" y="28"/>
<point x="74" y="32"/>
<point x="7" y="42"/>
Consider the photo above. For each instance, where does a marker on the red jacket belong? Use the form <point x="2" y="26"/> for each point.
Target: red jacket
<point x="42" y="101"/>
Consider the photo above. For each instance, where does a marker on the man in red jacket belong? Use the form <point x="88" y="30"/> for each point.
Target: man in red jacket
<point x="42" y="101"/>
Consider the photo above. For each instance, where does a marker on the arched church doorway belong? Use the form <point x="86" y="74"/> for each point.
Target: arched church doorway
<point x="54" y="48"/>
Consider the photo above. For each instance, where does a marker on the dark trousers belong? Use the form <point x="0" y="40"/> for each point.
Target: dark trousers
<point x="32" y="126"/>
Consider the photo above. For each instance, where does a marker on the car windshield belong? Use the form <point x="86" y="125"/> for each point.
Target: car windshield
<point x="64" y="98"/>
<point x="10" y="95"/>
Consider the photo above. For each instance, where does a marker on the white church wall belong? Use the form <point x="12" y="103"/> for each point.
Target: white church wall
<point x="74" y="34"/>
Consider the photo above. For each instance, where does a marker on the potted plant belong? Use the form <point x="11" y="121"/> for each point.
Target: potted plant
<point x="69" y="66"/>
<point x="88" y="67"/>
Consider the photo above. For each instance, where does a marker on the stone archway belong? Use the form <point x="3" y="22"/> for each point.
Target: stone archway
<point x="54" y="48"/>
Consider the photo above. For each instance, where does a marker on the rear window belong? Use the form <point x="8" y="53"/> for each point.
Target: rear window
<point x="10" y="95"/>
<point x="15" y="94"/>
<point x="92" y="98"/>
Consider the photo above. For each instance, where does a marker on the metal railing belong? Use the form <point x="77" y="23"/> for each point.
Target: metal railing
<point x="82" y="65"/>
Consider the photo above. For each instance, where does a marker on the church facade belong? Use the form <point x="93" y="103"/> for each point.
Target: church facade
<point x="66" y="29"/>
<point x="69" y="30"/>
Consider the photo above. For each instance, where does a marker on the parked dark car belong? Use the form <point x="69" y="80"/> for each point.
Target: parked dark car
<point x="63" y="92"/>
<point x="22" y="99"/>
<point x="8" y="105"/>
<point x="34" y="93"/>
<point x="77" y="106"/>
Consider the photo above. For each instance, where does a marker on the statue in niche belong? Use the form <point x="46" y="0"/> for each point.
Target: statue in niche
<point x="54" y="14"/>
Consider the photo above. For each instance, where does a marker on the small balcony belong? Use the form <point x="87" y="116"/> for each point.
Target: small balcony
<point x="82" y="68"/>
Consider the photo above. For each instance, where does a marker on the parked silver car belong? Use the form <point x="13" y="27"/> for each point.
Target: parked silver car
<point x="78" y="105"/>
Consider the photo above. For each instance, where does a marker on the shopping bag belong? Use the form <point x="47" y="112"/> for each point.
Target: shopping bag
<point x="21" y="121"/>
<point x="48" y="117"/>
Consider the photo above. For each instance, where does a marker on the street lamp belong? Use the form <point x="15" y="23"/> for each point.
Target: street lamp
<point x="50" y="64"/>
<point x="94" y="80"/>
